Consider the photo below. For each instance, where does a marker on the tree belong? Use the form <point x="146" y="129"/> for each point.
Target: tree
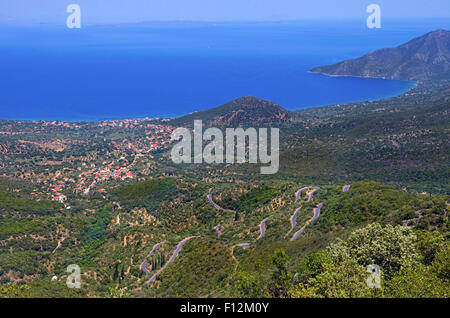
<point x="115" y="275"/>
<point x="116" y="292"/>
<point x="249" y="285"/>
<point x="13" y="290"/>
<point x="391" y="248"/>
<point x="441" y="264"/>
<point x="342" y="271"/>
<point x="313" y="264"/>
<point x="281" y="278"/>
<point x="345" y="279"/>
<point x="418" y="282"/>
<point x="429" y="244"/>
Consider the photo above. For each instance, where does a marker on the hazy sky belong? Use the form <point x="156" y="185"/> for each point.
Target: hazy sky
<point x="119" y="11"/>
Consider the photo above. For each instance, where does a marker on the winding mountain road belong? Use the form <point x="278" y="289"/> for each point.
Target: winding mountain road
<point x="294" y="217"/>
<point x="298" y="194"/>
<point x="172" y="258"/>
<point x="212" y="202"/>
<point x="144" y="263"/>
<point x="262" y="228"/>
<point x="217" y="229"/>
<point x="316" y="212"/>
<point x="311" y="196"/>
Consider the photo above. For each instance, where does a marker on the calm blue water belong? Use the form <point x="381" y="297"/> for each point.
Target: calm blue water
<point x="114" y="72"/>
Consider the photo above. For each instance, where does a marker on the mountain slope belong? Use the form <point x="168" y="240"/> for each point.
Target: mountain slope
<point x="423" y="58"/>
<point x="245" y="111"/>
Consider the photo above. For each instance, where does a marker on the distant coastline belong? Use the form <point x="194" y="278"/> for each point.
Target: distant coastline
<point x="153" y="116"/>
<point x="414" y="84"/>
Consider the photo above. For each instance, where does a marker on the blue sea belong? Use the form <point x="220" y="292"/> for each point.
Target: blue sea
<point x="171" y="69"/>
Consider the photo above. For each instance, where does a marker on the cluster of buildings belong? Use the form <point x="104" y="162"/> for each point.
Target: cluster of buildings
<point x="88" y="179"/>
<point x="141" y="137"/>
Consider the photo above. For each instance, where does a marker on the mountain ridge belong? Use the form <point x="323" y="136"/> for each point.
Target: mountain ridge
<point x="423" y="58"/>
<point x="247" y="110"/>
